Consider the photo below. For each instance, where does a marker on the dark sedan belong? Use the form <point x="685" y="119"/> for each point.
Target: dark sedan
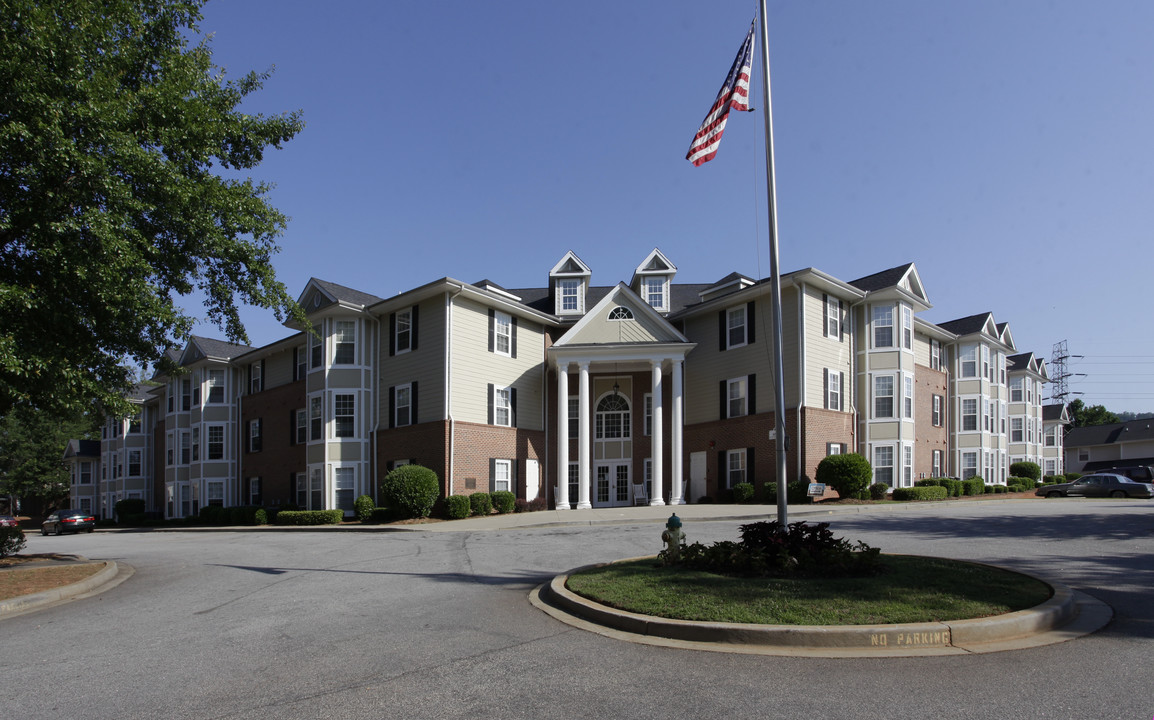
<point x="1099" y="485"/>
<point x="63" y="521"/>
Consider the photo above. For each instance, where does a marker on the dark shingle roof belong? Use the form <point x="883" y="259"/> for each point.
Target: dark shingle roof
<point x="1018" y="362"/>
<point x="347" y="294"/>
<point x="883" y="279"/>
<point x="1133" y="431"/>
<point x="1052" y="412"/>
<point x="966" y="325"/>
<point x="219" y="348"/>
<point x="82" y="448"/>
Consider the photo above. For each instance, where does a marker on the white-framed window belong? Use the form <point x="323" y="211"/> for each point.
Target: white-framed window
<point x="648" y="429"/>
<point x="986" y="371"/>
<point x="215" y="493"/>
<point x="345" y="342"/>
<point x="654" y="292"/>
<point x="736" y="394"/>
<point x="254" y="435"/>
<point x="1083" y="455"/>
<point x="969" y="414"/>
<point x="255" y="373"/>
<point x="254" y="495"/>
<point x="1016" y="389"/>
<point x="833" y="388"/>
<point x="502" y="407"/>
<point x="216" y="442"/>
<point x="620" y="313"/>
<point x="986" y="416"/>
<point x="344" y="481"/>
<point x="935" y="354"/>
<point x="134" y="463"/>
<point x="969" y="358"/>
<point x="1052" y="437"/>
<point x="907" y="327"/>
<point x="908" y="397"/>
<point x="344" y="415"/>
<point x="86" y="472"/>
<point x="907" y="465"/>
<point x="502" y="476"/>
<point x="403" y="408"/>
<point x="884" y="464"/>
<point x="316" y="417"/>
<point x="969" y="465"/>
<point x="185" y="447"/>
<point x="936" y="464"/>
<point x="574" y="481"/>
<point x="612" y="419"/>
<point x="302" y="490"/>
<point x="316" y="352"/>
<point x="569" y="290"/>
<point x="1051" y="467"/>
<point x="403" y="333"/>
<point x="735" y="467"/>
<point x="574" y="417"/>
<point x="832" y="317"/>
<point x="86" y="504"/>
<point x="736" y="334"/>
<point x="884" y="398"/>
<point x="216" y="385"/>
<point x="134" y="424"/>
<point x="647" y="469"/>
<point x="1016" y="433"/>
<point x="301" y="361"/>
<point x="196" y="444"/>
<point x="936" y="411"/>
<point x="833" y="449"/>
<point x="301" y="427"/>
<point x="316" y="489"/>
<point x="169" y="444"/>
<point x="186" y="394"/>
<point x="883" y="326"/>
<point x="502" y="333"/>
<point x="170" y="392"/>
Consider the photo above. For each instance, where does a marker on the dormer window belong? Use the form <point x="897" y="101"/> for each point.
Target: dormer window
<point x="654" y="292"/>
<point x="569" y="280"/>
<point x="569" y="295"/>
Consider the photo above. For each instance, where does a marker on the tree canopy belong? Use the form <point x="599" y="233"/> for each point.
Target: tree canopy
<point x="32" y="452"/>
<point x="1082" y="415"/>
<point x="114" y="134"/>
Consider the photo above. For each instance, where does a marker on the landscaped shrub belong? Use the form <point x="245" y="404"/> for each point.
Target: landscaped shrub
<point x="457" y="507"/>
<point x="363" y="508"/>
<point x="410" y="491"/>
<point x="954" y="486"/>
<point x="310" y="517"/>
<point x="1004" y="489"/>
<point x="503" y="501"/>
<point x="743" y="493"/>
<point x="1052" y="479"/>
<point x="11" y="541"/>
<point x="926" y="492"/>
<point x="534" y="505"/>
<point x="242" y="515"/>
<point x="850" y="474"/>
<point x="213" y="515"/>
<point x="928" y="482"/>
<point x="380" y="515"/>
<point x="768" y="549"/>
<point x="481" y="503"/>
<point x="1026" y="469"/>
<point x="261" y="517"/>
<point x="878" y="491"/>
<point x="129" y="507"/>
<point x="974" y="486"/>
<point x="796" y="492"/>
<point x="1072" y="476"/>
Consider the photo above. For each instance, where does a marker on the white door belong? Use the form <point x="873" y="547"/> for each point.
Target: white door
<point x="532" y="479"/>
<point x="611" y="484"/>
<point x="696" y="489"/>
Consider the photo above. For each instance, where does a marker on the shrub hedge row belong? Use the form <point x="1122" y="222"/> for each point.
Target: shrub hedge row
<point x="310" y="517"/>
<point x="930" y="492"/>
<point x="503" y="501"/>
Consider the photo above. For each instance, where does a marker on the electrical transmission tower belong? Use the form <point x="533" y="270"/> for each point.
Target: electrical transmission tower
<point x="1060" y="374"/>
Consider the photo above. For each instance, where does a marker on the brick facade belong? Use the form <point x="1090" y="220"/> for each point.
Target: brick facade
<point x="927" y="384"/>
<point x="280" y="458"/>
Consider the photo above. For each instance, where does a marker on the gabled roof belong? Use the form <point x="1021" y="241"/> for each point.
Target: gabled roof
<point x="570" y="264"/>
<point x="1027" y="362"/>
<point x="82" y="449"/>
<point x="903" y="279"/>
<point x="335" y="293"/>
<point x="655" y="263"/>
<point x="1132" y="431"/>
<point x="1055" y="413"/>
<point x="646" y="326"/>
<point x="971" y="324"/>
<point x="200" y="348"/>
<point x="883" y="279"/>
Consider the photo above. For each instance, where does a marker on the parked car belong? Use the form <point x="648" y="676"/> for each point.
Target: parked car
<point x="8" y="521"/>
<point x="1137" y="473"/>
<point x="63" y="521"/>
<point x="1099" y="485"/>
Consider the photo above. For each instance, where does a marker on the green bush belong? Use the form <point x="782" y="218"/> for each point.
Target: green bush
<point x="878" y="491"/>
<point x="363" y="508"/>
<point x="380" y="515"/>
<point x="925" y="492"/>
<point x="12" y="541"/>
<point x="743" y="493"/>
<point x="410" y="491"/>
<point x="1030" y="470"/>
<point x="310" y="517"/>
<point x="457" y="507"/>
<point x="261" y="517"/>
<point x="503" y="501"/>
<point x="849" y="474"/>
<point x="1072" y="476"/>
<point x="1052" y="479"/>
<point x="481" y="503"/>
<point x="928" y="482"/>
<point x="954" y="486"/>
<point x="768" y="550"/>
<point x="534" y="505"/>
<point x="213" y="515"/>
<point x="974" y="486"/>
<point x="242" y="515"/>
<point x="128" y="506"/>
<point x="1004" y="489"/>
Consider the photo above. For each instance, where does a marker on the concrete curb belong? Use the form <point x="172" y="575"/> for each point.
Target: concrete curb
<point x="1064" y="616"/>
<point x="25" y="603"/>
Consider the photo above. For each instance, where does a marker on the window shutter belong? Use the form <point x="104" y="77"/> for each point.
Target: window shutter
<point x="492" y="330"/>
<point x="492" y="474"/>
<point x="825" y="385"/>
<point x="825" y="318"/>
<point x="749" y="465"/>
<point x="389" y="466"/>
<point x="751" y="395"/>
<point x="721" y="470"/>
<point x="841" y="320"/>
<point x="722" y="329"/>
<point x="841" y="391"/>
<point x="513" y="407"/>
<point x="413" y="403"/>
<point x="513" y="476"/>
<point x="295" y="361"/>
<point x="248" y="385"/>
<point x="392" y="406"/>
<point x="392" y="335"/>
<point x="413" y="334"/>
<point x="844" y="448"/>
<point x="749" y="324"/>
<point x="263" y="376"/>
<point x="513" y="337"/>
<point x="490" y="393"/>
<point x="723" y="396"/>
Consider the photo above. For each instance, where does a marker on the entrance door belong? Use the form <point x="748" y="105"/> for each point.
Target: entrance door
<point x="696" y="489"/>
<point x="611" y="484"/>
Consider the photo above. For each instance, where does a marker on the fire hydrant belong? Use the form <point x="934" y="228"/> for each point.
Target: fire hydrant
<point x="672" y="537"/>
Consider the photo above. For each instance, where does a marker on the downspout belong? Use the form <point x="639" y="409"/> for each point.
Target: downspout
<point x="449" y="387"/>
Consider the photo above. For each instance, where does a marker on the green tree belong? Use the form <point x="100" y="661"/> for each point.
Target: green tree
<point x="114" y="132"/>
<point x="1082" y="415"/>
<point x="32" y="454"/>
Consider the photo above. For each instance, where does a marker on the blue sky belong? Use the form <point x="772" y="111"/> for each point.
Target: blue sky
<point x="1003" y="147"/>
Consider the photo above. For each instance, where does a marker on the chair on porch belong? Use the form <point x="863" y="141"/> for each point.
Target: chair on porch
<point x="640" y="495"/>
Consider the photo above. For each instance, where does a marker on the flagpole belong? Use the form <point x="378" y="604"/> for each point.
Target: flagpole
<point x="781" y="439"/>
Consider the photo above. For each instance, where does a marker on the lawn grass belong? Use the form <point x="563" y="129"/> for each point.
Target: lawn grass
<point x="912" y="589"/>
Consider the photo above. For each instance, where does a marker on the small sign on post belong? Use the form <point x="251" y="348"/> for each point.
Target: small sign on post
<point x="816" y="490"/>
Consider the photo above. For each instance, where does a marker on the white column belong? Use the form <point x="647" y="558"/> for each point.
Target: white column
<point x="583" y="437"/>
<point x="676" y="423"/>
<point x="562" y="496"/>
<point x="656" y="498"/>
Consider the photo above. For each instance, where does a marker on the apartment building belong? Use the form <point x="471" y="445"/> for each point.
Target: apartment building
<point x="586" y="395"/>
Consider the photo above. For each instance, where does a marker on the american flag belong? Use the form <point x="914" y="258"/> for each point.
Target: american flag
<point x="734" y="93"/>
